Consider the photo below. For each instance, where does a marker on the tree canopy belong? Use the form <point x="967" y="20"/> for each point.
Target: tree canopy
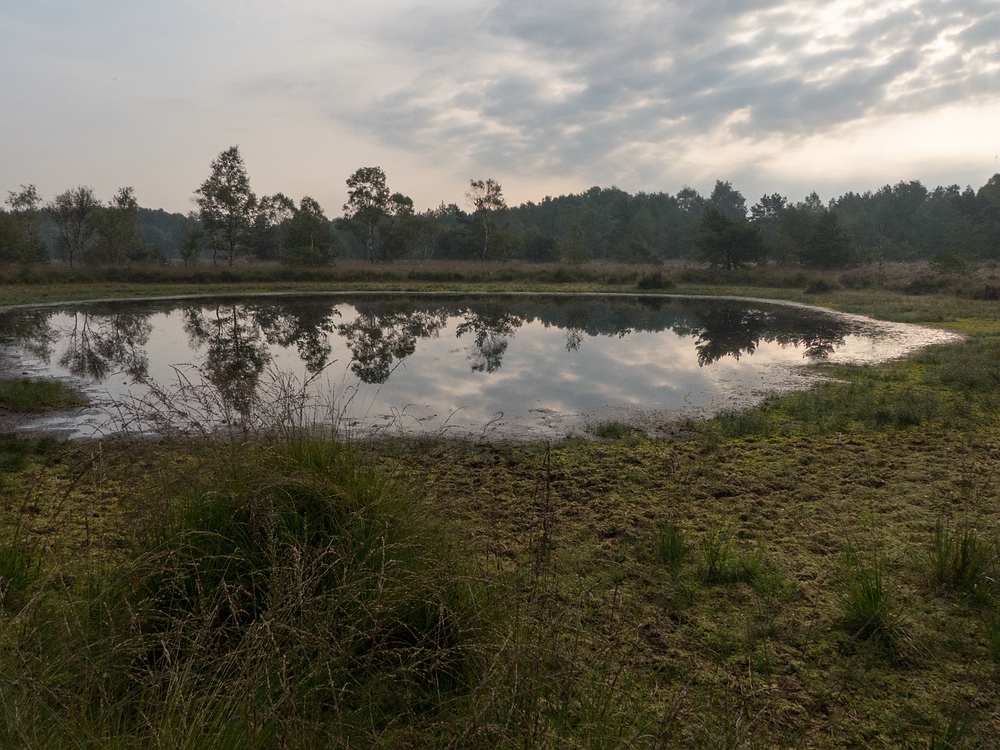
<point x="728" y="242"/>
<point x="227" y="208"/>
<point x="487" y="201"/>
<point x="367" y="206"/>
<point x="953" y="226"/>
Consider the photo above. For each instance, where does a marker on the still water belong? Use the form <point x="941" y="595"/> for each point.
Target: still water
<point x="491" y="365"/>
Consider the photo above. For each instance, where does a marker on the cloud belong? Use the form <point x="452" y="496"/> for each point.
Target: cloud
<point x="569" y="86"/>
<point x="645" y="94"/>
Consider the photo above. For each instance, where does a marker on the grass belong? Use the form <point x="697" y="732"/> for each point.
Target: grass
<point x="279" y="594"/>
<point x="868" y="609"/>
<point x="691" y="592"/>
<point x="672" y="548"/>
<point x="959" y="560"/>
<point x="29" y="396"/>
<point x="611" y="430"/>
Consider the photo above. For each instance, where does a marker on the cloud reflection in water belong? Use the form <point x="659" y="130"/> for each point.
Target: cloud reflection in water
<point x="515" y="365"/>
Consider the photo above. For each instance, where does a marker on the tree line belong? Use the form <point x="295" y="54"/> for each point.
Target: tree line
<point x="950" y="226"/>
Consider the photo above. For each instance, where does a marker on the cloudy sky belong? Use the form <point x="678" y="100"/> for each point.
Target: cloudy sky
<point x="548" y="97"/>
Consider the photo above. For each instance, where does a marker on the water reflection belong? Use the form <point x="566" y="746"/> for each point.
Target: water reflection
<point x="570" y="353"/>
<point x="382" y="335"/>
<point x="492" y="326"/>
<point x="236" y="350"/>
<point x="731" y="331"/>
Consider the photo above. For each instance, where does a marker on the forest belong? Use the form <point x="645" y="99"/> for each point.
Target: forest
<point x="949" y="226"/>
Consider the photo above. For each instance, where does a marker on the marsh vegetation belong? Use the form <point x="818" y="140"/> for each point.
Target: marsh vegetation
<point x="818" y="571"/>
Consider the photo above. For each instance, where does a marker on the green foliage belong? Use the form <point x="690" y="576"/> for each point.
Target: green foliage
<point x="729" y="243"/>
<point x="227" y="208"/>
<point x="14" y="453"/>
<point x="270" y="226"/>
<point x="728" y="201"/>
<point x="973" y="368"/>
<point x="821" y="286"/>
<point x="953" y="259"/>
<point x="654" y="280"/>
<point x="836" y="407"/>
<point x="406" y="234"/>
<point x="486" y="199"/>
<point x="118" y="234"/>
<point x="572" y="247"/>
<point x="164" y="231"/>
<point x="828" y="246"/>
<point x="192" y="241"/>
<point x="310" y="241"/>
<point x="366" y="208"/>
<point x="75" y="215"/>
<point x="720" y="557"/>
<point x="735" y="423"/>
<point x="951" y="227"/>
<point x="21" y="237"/>
<point x="538" y="246"/>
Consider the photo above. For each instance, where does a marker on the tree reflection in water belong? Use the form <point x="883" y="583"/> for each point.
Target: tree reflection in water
<point x="577" y="319"/>
<point x="31" y="331"/>
<point x="241" y="338"/>
<point x="493" y="327"/>
<point x="236" y="351"/>
<point x="377" y="336"/>
<point x="98" y="345"/>
<point x="307" y="327"/>
<point x="733" y="330"/>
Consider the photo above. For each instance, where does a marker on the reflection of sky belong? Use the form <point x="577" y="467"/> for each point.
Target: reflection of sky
<point x="539" y="378"/>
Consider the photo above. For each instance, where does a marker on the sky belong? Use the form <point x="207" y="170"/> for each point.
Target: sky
<point x="548" y="97"/>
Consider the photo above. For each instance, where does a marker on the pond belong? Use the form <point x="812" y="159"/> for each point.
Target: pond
<point x="514" y="365"/>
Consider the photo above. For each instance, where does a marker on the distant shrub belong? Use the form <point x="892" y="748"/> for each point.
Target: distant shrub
<point x="950" y="260"/>
<point x="927" y="284"/>
<point x="654" y="280"/>
<point x="821" y="286"/>
<point x="989" y="292"/>
<point x="861" y="278"/>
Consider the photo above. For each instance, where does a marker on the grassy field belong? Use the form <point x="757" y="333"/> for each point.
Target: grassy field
<point x="821" y="571"/>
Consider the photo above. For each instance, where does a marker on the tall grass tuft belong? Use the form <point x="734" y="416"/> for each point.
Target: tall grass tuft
<point x="959" y="560"/>
<point x="867" y="608"/>
<point x="672" y="548"/>
<point x="719" y="557"/>
<point x="745" y="422"/>
<point x="291" y="591"/>
<point x="19" y="569"/>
